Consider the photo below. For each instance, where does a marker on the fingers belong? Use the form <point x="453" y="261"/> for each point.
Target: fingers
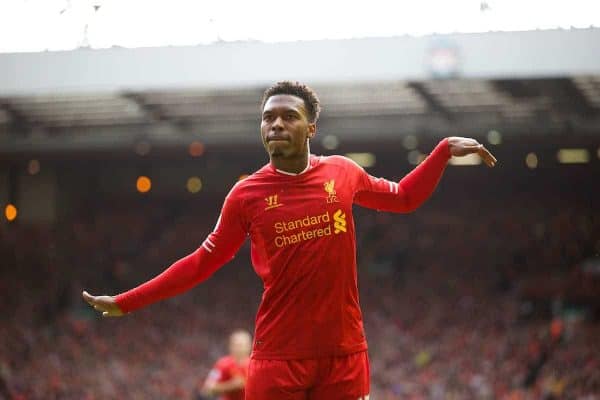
<point x="487" y="157"/>
<point x="91" y="300"/>
<point x="463" y="146"/>
<point x="484" y="153"/>
<point x="471" y="148"/>
<point x="102" y="304"/>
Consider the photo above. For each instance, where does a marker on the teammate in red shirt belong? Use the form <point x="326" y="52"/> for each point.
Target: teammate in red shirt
<point x="297" y="210"/>
<point x="228" y="377"/>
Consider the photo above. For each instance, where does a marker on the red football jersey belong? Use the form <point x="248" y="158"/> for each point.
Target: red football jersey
<point x="225" y="369"/>
<point x="303" y="247"/>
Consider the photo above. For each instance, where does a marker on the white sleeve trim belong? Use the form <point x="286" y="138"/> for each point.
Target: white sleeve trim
<point x="206" y="247"/>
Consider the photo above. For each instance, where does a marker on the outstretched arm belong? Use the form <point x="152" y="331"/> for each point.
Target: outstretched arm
<point x="416" y="187"/>
<point x="218" y="248"/>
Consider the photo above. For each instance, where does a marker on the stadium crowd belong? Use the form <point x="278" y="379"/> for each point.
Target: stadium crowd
<point x="442" y="293"/>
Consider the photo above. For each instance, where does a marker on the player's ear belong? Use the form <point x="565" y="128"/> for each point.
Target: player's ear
<point x="312" y="130"/>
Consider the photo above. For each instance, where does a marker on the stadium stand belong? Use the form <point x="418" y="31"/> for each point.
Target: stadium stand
<point x="445" y="292"/>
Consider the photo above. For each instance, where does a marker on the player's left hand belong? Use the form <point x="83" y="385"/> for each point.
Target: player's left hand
<point x="461" y="146"/>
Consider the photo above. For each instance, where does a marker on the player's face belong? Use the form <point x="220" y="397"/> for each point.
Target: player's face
<point x="285" y="126"/>
<point x="240" y="345"/>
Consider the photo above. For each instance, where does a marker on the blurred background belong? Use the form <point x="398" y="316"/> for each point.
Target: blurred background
<point x="124" y="124"/>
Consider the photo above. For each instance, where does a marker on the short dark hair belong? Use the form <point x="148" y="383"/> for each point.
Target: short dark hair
<point x="311" y="101"/>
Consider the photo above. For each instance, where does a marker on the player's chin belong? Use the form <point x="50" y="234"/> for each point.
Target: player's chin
<point x="277" y="153"/>
<point x="276" y="150"/>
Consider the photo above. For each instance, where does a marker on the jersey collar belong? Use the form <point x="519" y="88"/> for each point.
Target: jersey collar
<point x="293" y="174"/>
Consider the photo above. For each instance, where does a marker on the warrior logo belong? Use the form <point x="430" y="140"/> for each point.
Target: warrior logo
<point x="272" y="202"/>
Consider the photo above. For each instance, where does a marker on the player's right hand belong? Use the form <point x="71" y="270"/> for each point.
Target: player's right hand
<point x="107" y="305"/>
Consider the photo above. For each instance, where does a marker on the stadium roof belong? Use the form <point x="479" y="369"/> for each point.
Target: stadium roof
<point x="550" y="105"/>
<point x="547" y="81"/>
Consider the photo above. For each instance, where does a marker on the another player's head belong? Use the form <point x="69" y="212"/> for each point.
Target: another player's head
<point x="240" y="344"/>
<point x="289" y="119"/>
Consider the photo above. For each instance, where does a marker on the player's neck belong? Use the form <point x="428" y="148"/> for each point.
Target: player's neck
<point x="294" y="165"/>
